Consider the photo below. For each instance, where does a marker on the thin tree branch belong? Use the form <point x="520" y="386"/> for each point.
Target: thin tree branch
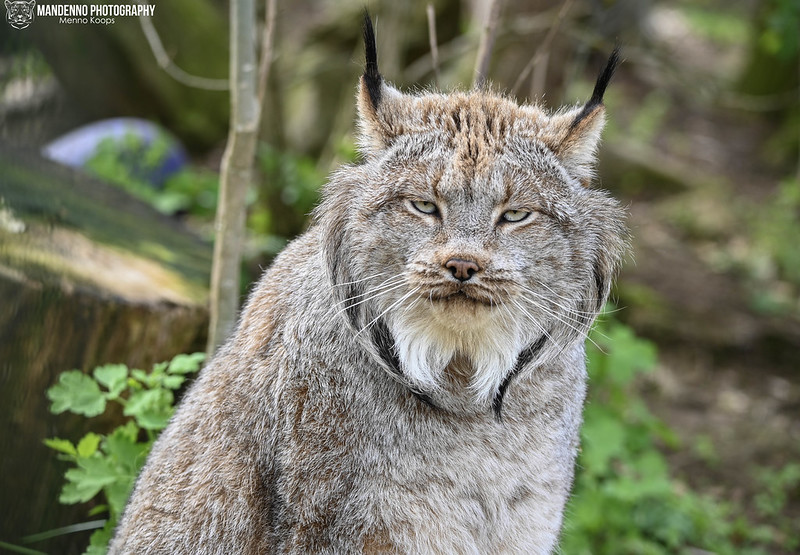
<point x="540" y="59"/>
<point x="248" y="92"/>
<point x="454" y="49"/>
<point x="165" y="63"/>
<point x="235" y="174"/>
<point x="434" y="43"/>
<point x="266" y="51"/>
<point x="486" y="45"/>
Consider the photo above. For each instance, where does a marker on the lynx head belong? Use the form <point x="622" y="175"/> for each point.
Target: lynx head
<point x="20" y="13"/>
<point x="469" y="233"/>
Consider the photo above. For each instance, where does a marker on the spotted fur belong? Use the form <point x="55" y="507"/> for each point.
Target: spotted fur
<point x="369" y="400"/>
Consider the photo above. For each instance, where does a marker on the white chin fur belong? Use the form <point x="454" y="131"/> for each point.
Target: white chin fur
<point x="429" y="337"/>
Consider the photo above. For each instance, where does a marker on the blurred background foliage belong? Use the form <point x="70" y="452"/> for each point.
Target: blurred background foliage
<point x="692" y="434"/>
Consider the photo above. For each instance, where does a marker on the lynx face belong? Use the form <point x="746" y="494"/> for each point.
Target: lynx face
<point x="468" y="241"/>
<point x="20" y="13"/>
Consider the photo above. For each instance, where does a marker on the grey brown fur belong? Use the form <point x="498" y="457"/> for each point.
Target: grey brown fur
<point x="365" y="402"/>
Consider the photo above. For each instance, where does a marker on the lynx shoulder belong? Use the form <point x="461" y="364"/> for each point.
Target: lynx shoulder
<point x="409" y="375"/>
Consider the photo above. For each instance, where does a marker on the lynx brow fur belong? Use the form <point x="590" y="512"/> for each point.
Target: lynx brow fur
<point x="409" y="374"/>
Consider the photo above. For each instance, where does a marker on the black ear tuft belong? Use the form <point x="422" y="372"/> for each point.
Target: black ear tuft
<point x="372" y="79"/>
<point x="599" y="87"/>
<point x="604" y="78"/>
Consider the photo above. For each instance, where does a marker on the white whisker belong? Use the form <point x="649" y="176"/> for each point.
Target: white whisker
<point x="391" y="306"/>
<point x="563" y="319"/>
<point x="543" y="284"/>
<point x="537" y="324"/>
<point x="382" y="285"/>
<point x="563" y="307"/>
<point x="387" y="284"/>
<point x="359" y="280"/>
<point x="373" y="295"/>
<point x="566" y="315"/>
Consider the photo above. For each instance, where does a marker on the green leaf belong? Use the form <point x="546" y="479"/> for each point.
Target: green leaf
<point x="125" y="451"/>
<point x="143" y="377"/>
<point x="603" y="439"/>
<point x="97" y="509"/>
<point x="152" y="408"/>
<point x="61" y="445"/>
<point x="118" y="493"/>
<point x="129" y="430"/>
<point x="87" y="446"/>
<point x="86" y="481"/>
<point x="128" y="456"/>
<point x="98" y="543"/>
<point x="173" y="382"/>
<point x="19" y="549"/>
<point x="113" y="376"/>
<point x="186" y="364"/>
<point x="160" y="368"/>
<point x="587" y="509"/>
<point x="63" y="530"/>
<point x="629" y="355"/>
<point x="77" y="393"/>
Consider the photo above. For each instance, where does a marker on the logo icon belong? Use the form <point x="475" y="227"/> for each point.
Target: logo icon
<point x="19" y="13"/>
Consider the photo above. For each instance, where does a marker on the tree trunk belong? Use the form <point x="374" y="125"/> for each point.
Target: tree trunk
<point x="88" y="275"/>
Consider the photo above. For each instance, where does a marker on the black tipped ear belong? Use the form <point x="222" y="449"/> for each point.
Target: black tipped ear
<point x="573" y="136"/>
<point x="599" y="87"/>
<point x="372" y="79"/>
<point x="384" y="112"/>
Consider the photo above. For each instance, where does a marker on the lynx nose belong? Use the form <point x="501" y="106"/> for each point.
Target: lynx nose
<point x="462" y="269"/>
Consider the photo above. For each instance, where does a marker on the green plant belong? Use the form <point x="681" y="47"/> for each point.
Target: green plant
<point x="778" y="227"/>
<point x="767" y="255"/>
<point x="624" y="499"/>
<point x="106" y="466"/>
<point x="126" y="162"/>
<point x="289" y="191"/>
<point x="726" y="28"/>
<point x="780" y="37"/>
<point x="777" y="486"/>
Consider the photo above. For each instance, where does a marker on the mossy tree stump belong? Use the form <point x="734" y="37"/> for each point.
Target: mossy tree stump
<point x="88" y="275"/>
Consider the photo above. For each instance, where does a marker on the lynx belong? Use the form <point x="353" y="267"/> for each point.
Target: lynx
<point x="409" y="375"/>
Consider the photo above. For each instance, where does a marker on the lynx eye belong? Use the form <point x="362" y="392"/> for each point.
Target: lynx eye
<point x="515" y="215"/>
<point x="424" y="206"/>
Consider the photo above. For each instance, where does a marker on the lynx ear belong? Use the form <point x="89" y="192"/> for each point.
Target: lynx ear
<point x="381" y="108"/>
<point x="574" y="136"/>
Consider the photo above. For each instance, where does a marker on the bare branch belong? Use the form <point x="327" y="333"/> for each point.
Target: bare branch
<point x="165" y="63"/>
<point x="454" y="49"/>
<point x="249" y="91"/>
<point x="266" y="51"/>
<point x="542" y="56"/>
<point x="235" y="174"/>
<point x="434" y="43"/>
<point x="486" y="45"/>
